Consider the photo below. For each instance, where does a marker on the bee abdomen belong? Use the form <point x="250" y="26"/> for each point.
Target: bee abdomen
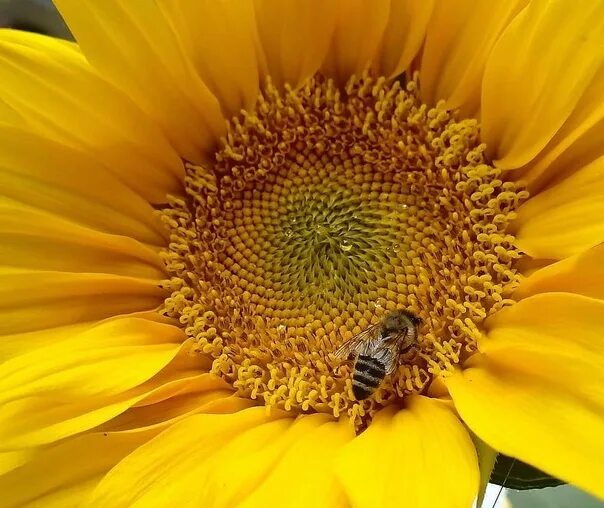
<point x="368" y="375"/>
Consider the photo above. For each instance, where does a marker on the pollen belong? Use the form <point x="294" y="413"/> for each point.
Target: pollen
<point x="325" y="208"/>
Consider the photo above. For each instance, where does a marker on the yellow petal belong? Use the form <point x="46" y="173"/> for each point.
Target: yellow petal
<point x="165" y="470"/>
<point x="459" y="38"/>
<point x="34" y="300"/>
<point x="221" y="41"/>
<point x="8" y="115"/>
<point x="148" y="417"/>
<point x="14" y="459"/>
<point x="81" y="462"/>
<point x="566" y="219"/>
<point x="582" y="274"/>
<point x="258" y="462"/>
<point x="73" y="385"/>
<point x="304" y="474"/>
<point x="47" y="202"/>
<point x="133" y="46"/>
<point x="49" y="176"/>
<point x="536" y="392"/>
<point x="65" y="473"/>
<point x="403" y="36"/>
<point x="16" y="344"/>
<point x="187" y="373"/>
<point x="567" y="324"/>
<point x="577" y="143"/>
<point x="202" y="393"/>
<point x="420" y="456"/>
<point x="527" y="265"/>
<point x="35" y="240"/>
<point x="19" y="343"/>
<point x="34" y="40"/>
<point x="50" y="85"/>
<point x="536" y="74"/>
<point x="359" y="29"/>
<point x="295" y="36"/>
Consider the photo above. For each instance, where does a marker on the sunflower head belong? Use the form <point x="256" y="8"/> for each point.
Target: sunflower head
<point x="324" y="209"/>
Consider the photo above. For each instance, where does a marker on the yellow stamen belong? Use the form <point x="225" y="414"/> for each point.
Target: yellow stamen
<point x="326" y="208"/>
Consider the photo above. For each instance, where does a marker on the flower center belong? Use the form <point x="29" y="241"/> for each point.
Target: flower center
<point x="324" y="210"/>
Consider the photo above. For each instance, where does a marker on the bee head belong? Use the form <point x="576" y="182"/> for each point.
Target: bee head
<point x="399" y="319"/>
<point x="414" y="319"/>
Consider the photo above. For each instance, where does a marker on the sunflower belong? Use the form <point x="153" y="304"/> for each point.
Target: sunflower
<point x="203" y="200"/>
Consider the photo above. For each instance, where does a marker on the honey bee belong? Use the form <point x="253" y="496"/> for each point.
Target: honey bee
<point x="377" y="350"/>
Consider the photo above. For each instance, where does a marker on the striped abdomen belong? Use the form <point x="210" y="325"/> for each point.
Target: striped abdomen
<point x="368" y="375"/>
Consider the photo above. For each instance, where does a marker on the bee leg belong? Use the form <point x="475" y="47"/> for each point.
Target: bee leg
<point x="411" y="354"/>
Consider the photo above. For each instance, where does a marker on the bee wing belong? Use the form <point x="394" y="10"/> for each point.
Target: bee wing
<point x="354" y="344"/>
<point x="398" y="345"/>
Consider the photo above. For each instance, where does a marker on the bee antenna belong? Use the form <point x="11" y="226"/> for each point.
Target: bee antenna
<point x="507" y="475"/>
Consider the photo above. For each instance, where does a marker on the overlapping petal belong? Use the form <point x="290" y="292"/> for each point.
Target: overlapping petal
<point x="9" y="115"/>
<point x="539" y="69"/>
<point x="305" y="457"/>
<point x="295" y="36"/>
<point x="35" y="240"/>
<point x="76" y="466"/>
<point x="403" y="36"/>
<point x="536" y="391"/>
<point x="247" y="457"/>
<point x="80" y="462"/>
<point x="199" y="392"/>
<point x="582" y="274"/>
<point x="133" y="46"/>
<point x="460" y="36"/>
<point x="44" y="177"/>
<point x="60" y="96"/>
<point x="63" y="298"/>
<point x="221" y="41"/>
<point x="576" y="144"/>
<point x="73" y="385"/>
<point x="16" y="344"/>
<point x="390" y="464"/>
<point x="565" y="219"/>
<point x="356" y="38"/>
<point x="174" y="467"/>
